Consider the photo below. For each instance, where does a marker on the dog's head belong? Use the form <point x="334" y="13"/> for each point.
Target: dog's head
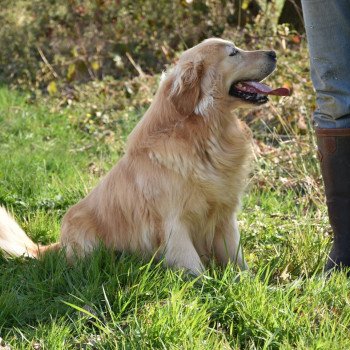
<point x="208" y="77"/>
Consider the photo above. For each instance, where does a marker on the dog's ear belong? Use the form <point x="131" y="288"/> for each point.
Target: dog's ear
<point x="186" y="86"/>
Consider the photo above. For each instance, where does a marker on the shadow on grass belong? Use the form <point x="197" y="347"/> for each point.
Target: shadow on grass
<point x="34" y="291"/>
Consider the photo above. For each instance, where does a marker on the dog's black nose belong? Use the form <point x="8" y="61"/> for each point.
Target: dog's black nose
<point x="272" y="54"/>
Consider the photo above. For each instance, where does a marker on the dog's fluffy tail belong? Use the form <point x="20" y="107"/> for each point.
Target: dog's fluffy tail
<point x="15" y="242"/>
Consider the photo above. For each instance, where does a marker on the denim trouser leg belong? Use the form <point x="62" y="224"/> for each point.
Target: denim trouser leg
<point x="327" y="24"/>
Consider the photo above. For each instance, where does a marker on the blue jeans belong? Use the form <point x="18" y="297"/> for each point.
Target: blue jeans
<point x="327" y="24"/>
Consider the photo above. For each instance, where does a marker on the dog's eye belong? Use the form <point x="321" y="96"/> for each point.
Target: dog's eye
<point x="233" y="52"/>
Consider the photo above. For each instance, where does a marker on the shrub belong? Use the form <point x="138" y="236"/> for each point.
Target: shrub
<point x="81" y="40"/>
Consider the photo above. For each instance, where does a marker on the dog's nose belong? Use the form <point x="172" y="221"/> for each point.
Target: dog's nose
<point x="272" y="54"/>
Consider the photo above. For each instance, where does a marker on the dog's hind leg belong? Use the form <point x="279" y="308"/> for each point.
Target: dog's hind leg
<point x="227" y="244"/>
<point x="179" y="249"/>
<point x="79" y="232"/>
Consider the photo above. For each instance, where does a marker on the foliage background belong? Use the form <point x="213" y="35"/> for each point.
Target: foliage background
<point x="68" y="48"/>
<point x="76" y="41"/>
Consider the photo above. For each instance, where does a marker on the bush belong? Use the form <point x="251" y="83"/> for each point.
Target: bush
<point x="77" y="41"/>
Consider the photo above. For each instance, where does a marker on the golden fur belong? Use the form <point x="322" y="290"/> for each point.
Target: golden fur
<point x="176" y="191"/>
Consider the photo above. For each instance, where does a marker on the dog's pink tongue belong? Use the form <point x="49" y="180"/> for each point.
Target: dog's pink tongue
<point x="260" y="88"/>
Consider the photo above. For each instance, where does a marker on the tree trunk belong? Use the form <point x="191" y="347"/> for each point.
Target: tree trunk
<point x="243" y="16"/>
<point x="292" y="14"/>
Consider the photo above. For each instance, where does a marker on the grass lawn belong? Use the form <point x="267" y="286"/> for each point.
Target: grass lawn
<point x="48" y="161"/>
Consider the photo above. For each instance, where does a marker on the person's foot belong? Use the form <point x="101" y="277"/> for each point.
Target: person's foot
<point x="338" y="259"/>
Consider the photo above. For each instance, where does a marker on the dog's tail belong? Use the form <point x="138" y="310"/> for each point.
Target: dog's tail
<point x="15" y="242"/>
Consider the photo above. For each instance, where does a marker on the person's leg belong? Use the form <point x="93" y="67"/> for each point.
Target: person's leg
<point x="327" y="25"/>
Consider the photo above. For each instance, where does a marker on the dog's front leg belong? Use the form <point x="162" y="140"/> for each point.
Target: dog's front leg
<point x="227" y="244"/>
<point x="179" y="249"/>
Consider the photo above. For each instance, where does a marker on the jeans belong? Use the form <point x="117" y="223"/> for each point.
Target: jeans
<point x="327" y="24"/>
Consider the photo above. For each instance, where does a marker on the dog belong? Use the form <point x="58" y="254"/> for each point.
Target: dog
<point x="176" y="192"/>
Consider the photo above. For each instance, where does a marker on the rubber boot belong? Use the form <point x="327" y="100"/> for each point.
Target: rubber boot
<point x="334" y="155"/>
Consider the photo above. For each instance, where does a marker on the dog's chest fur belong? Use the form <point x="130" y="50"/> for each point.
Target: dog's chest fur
<point x="222" y="163"/>
<point x="213" y="163"/>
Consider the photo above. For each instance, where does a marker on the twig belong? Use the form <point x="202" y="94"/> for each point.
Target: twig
<point x="47" y="62"/>
<point x="136" y="66"/>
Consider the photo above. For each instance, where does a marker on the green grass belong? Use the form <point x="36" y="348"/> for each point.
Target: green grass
<point x="48" y="162"/>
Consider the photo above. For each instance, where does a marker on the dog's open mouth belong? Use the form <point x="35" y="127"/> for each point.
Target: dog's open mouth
<point x="255" y="92"/>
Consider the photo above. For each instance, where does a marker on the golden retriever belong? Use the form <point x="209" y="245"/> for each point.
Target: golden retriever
<point x="176" y="191"/>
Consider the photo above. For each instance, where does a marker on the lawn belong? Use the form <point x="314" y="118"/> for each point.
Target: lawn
<point x="52" y="155"/>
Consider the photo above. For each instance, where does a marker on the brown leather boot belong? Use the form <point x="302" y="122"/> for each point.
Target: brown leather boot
<point x="334" y="155"/>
